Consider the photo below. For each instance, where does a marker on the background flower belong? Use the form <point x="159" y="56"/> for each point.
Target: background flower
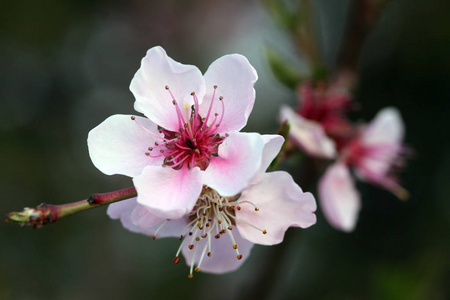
<point x="375" y="155"/>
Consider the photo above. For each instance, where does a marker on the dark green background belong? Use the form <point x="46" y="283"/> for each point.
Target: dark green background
<point x="66" y="66"/>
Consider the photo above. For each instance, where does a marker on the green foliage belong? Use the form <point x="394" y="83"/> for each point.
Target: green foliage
<point x="282" y="69"/>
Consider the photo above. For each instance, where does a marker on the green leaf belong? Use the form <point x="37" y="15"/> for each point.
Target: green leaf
<point x="282" y="69"/>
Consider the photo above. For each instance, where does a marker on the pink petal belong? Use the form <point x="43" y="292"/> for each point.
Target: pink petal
<point x="272" y="146"/>
<point x="235" y="78"/>
<point x="143" y="217"/>
<point x="148" y="86"/>
<point x="386" y="128"/>
<point x="308" y="134"/>
<point x="122" y="210"/>
<point x="373" y="169"/>
<point x="168" y="193"/>
<point x="118" y="145"/>
<point x="238" y="162"/>
<point x="338" y="197"/>
<point x="148" y="224"/>
<point x="383" y="136"/>
<point x="223" y="258"/>
<point x="281" y="203"/>
<point x="167" y="228"/>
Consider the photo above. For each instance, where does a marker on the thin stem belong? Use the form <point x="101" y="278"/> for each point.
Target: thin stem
<point x="363" y="15"/>
<point x="44" y="213"/>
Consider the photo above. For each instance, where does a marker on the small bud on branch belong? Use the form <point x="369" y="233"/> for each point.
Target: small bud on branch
<point x="44" y="214"/>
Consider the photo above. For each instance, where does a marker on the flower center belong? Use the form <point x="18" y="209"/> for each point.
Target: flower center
<point x="212" y="216"/>
<point x="195" y="142"/>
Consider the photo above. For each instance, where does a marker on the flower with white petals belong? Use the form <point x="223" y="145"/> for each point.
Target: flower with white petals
<point x="375" y="154"/>
<point x="190" y="137"/>
<point x="219" y="232"/>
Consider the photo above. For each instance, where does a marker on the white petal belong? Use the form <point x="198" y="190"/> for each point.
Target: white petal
<point x="223" y="258"/>
<point x="148" y="224"/>
<point x="281" y="203"/>
<point x="235" y="78"/>
<point x="308" y="134"/>
<point x="384" y="135"/>
<point x="167" y="228"/>
<point x="148" y="86"/>
<point x="386" y="128"/>
<point x="143" y="218"/>
<point x="122" y="210"/>
<point x="338" y="197"/>
<point x="272" y="146"/>
<point x="118" y="145"/>
<point x="169" y="193"/>
<point x="238" y="162"/>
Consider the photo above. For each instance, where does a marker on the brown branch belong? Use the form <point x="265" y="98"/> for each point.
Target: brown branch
<point x="362" y="16"/>
<point x="44" y="213"/>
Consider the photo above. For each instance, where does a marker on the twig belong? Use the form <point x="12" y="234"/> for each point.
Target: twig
<point x="44" y="213"/>
<point x="363" y="15"/>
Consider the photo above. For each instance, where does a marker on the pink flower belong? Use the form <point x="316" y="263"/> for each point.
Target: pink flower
<point x="219" y="232"/>
<point x="318" y="126"/>
<point x="378" y="153"/>
<point x="190" y="138"/>
<point x="375" y="154"/>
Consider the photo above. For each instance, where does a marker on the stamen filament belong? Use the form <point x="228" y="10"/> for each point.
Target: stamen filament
<point x="159" y="228"/>
<point x="202" y="255"/>
<point x="192" y="263"/>
<point x="148" y="131"/>
<point x="210" y="107"/>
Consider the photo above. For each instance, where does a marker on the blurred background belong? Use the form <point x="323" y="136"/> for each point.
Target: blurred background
<point x="66" y="66"/>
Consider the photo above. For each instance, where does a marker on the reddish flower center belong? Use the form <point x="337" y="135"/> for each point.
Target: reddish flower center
<point x="195" y="142"/>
